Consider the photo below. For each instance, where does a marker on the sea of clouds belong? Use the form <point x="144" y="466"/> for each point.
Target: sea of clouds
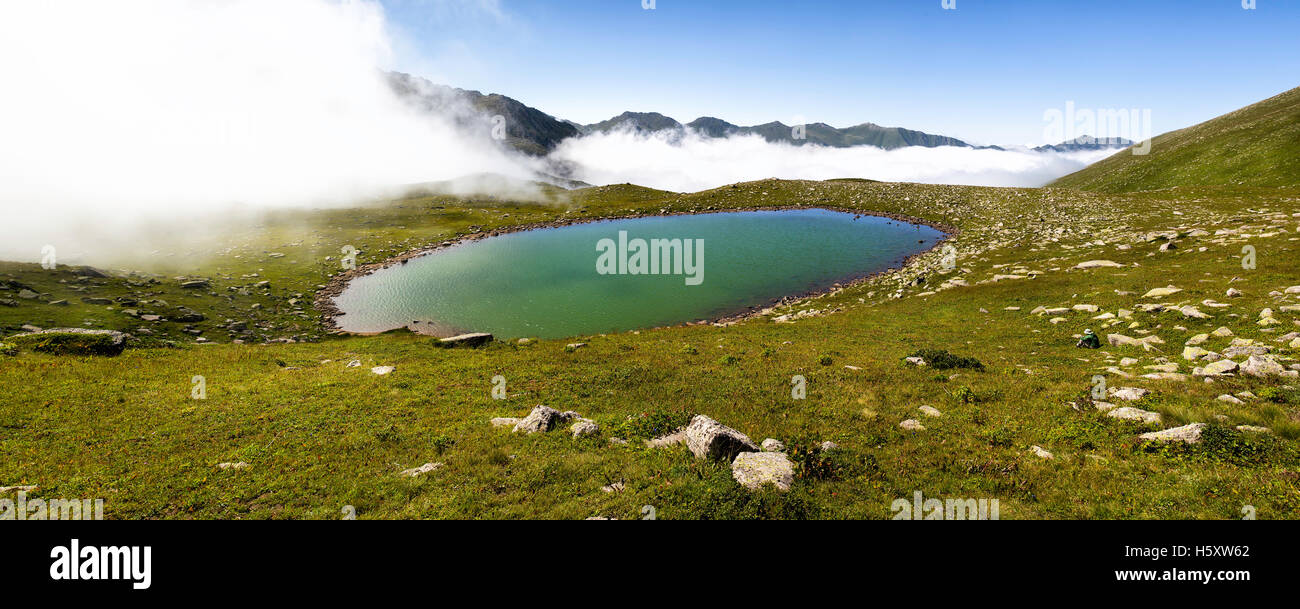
<point x="691" y="162"/>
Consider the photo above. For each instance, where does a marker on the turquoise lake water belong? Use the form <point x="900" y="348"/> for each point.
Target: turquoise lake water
<point x="548" y="283"/>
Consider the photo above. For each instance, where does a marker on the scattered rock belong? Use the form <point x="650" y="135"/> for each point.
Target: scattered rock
<point x="1131" y="394"/>
<point x="1092" y="264"/>
<point x="1190" y="434"/>
<point x="912" y="425"/>
<point x="753" y="470"/>
<point x="1258" y="365"/>
<point x="672" y="439"/>
<point x="542" y="418"/>
<point x="584" y="427"/>
<point x="1162" y="292"/>
<point x="1041" y="452"/>
<point x="504" y="421"/>
<point x="382" y="370"/>
<point x="706" y="437"/>
<point x="1229" y="399"/>
<point x="930" y="411"/>
<point x="423" y="469"/>
<point x="773" y="445"/>
<point x="1130" y="413"/>
<point x="473" y="339"/>
<point x="1219" y="368"/>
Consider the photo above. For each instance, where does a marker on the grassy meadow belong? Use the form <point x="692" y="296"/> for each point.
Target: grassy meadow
<point x="315" y="435"/>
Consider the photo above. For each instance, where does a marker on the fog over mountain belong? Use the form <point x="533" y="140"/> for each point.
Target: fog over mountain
<point x="185" y="110"/>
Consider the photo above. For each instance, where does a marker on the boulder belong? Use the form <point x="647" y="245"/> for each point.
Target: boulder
<point x="473" y="339"/>
<point x="1190" y="434"/>
<point x="1130" y="413"/>
<point x="773" y="445"/>
<point x="423" y="469"/>
<point x="1219" y="368"/>
<point x="672" y="439"/>
<point x="753" y="470"/>
<point x="541" y="418"/>
<point x="584" y="427"/>
<point x="1130" y="394"/>
<point x="706" y="437"/>
<point x="1093" y="264"/>
<point x="1258" y="365"/>
<point x="1161" y="292"/>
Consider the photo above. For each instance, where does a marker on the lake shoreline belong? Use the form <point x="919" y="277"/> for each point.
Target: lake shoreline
<point x="324" y="300"/>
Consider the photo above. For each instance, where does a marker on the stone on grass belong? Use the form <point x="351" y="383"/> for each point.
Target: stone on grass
<point x="912" y="425"/>
<point x="1161" y="292"/>
<point x="1261" y="366"/>
<point x="1219" y="368"/>
<point x="930" y="411"/>
<point x="504" y="421"/>
<point x="423" y="469"/>
<point x="1130" y="394"/>
<point x="1229" y="399"/>
<point x="1254" y="428"/>
<point x="584" y="427"/>
<point x="542" y="418"/>
<point x="773" y="445"/>
<point x="706" y="437"/>
<point x="1041" y="452"/>
<point x="1093" y="264"/>
<point x="753" y="470"/>
<point x="382" y="370"/>
<point x="828" y="446"/>
<point x="674" y="438"/>
<point x="237" y="465"/>
<point x="472" y="339"/>
<point x="1191" y="353"/>
<point x="1190" y="434"/>
<point x="1129" y="413"/>
<point x="1197" y="340"/>
<point x="1222" y="332"/>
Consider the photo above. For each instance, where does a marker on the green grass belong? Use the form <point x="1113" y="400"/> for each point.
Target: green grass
<point x="1258" y="145"/>
<point x="319" y="435"/>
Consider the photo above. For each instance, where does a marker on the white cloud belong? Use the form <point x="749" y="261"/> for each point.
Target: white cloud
<point x="117" y="111"/>
<point x="692" y="162"/>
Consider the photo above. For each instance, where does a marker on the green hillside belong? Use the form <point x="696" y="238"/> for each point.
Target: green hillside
<point x="1258" y="145"/>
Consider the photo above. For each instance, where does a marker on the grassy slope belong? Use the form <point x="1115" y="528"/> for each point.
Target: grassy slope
<point x="1257" y="145"/>
<point x="319" y="436"/>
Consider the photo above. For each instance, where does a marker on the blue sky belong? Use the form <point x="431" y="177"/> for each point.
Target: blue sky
<point x="985" y="72"/>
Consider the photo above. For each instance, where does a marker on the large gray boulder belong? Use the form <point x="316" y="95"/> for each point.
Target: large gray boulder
<point x="467" y="340"/>
<point x="541" y="418"/>
<point x="756" y="469"/>
<point x="1190" y="434"/>
<point x="706" y="437"/>
<point x="1261" y="366"/>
